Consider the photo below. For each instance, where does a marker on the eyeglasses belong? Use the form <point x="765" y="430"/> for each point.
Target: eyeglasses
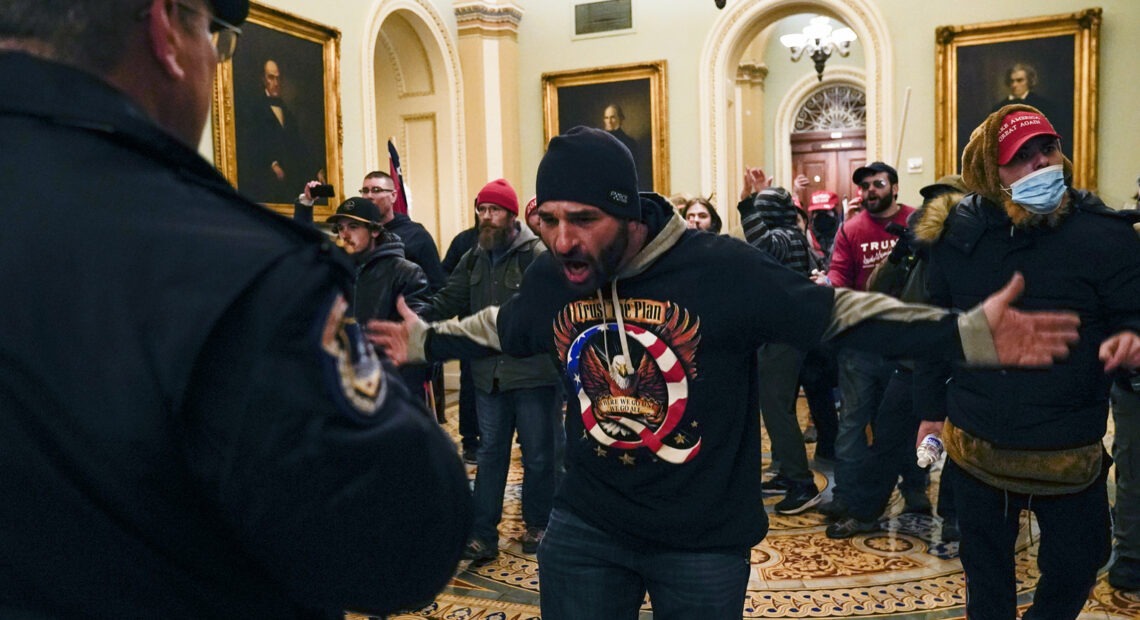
<point x="489" y="209"/>
<point x="879" y="183"/>
<point x="364" y="191"/>
<point x="223" y="35"/>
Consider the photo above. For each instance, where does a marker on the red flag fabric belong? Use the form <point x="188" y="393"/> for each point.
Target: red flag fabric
<point x="397" y="174"/>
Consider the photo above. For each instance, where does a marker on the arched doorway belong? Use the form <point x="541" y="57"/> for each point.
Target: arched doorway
<point x="412" y="93"/>
<point x="733" y="31"/>
<point x="828" y="139"/>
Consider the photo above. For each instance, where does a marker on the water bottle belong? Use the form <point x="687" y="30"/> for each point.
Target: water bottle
<point x="929" y="450"/>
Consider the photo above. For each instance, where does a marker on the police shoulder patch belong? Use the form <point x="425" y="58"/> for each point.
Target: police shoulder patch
<point x="353" y="373"/>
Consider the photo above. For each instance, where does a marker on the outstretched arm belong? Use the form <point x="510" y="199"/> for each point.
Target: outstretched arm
<point x="1027" y="338"/>
<point x="407" y="341"/>
<point x="992" y="334"/>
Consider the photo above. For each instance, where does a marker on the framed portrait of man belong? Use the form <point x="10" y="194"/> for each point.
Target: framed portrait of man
<point x="276" y="112"/>
<point x="1047" y="62"/>
<point x="626" y="100"/>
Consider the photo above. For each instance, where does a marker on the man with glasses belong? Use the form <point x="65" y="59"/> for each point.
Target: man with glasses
<point x="510" y="393"/>
<point x="189" y="427"/>
<point x="419" y="246"/>
<point x="863" y="242"/>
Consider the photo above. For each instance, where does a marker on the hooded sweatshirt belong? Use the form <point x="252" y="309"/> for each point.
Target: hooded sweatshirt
<point x="769" y="221"/>
<point x="663" y="439"/>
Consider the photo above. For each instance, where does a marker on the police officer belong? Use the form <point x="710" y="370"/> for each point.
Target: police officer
<point x="187" y="430"/>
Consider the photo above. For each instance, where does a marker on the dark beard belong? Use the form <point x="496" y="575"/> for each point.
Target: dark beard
<point x="881" y="205"/>
<point x="605" y="266"/>
<point x="493" y="239"/>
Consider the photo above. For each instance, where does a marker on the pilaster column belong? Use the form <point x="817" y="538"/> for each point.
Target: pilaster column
<point x="488" y="56"/>
<point x="750" y="76"/>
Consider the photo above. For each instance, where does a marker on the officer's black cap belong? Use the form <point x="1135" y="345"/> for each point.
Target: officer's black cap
<point x="357" y="208"/>
<point x="232" y="12"/>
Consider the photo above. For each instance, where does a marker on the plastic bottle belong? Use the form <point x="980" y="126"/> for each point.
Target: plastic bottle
<point x="929" y="451"/>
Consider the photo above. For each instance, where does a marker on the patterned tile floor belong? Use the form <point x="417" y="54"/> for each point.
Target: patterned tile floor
<point x="903" y="572"/>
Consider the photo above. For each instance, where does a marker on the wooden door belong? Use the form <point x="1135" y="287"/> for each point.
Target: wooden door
<point x="828" y="159"/>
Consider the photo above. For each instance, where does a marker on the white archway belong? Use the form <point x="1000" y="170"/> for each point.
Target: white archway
<point x="732" y="32"/>
<point x="450" y="178"/>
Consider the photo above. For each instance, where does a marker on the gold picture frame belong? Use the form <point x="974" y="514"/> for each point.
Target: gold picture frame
<point x="269" y="147"/>
<point x="973" y="62"/>
<point x="581" y="97"/>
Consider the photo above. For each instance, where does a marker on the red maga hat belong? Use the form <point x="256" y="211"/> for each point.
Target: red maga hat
<point x="823" y="201"/>
<point x="1019" y="127"/>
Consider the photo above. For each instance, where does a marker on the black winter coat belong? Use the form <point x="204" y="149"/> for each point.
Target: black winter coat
<point x="383" y="274"/>
<point x="1089" y="264"/>
<point x="180" y="432"/>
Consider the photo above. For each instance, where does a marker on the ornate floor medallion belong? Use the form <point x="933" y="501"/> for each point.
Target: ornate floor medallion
<point x="903" y="571"/>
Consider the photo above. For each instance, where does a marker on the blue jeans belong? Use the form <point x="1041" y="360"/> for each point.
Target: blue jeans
<point x="890" y="455"/>
<point x="586" y="573"/>
<point x="863" y="379"/>
<point x="534" y="413"/>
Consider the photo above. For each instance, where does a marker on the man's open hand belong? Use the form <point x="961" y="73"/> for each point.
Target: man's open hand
<point x="1027" y="338"/>
<point x="392" y="337"/>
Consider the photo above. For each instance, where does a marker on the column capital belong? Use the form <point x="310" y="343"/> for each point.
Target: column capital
<point x="488" y="18"/>
<point x="751" y="72"/>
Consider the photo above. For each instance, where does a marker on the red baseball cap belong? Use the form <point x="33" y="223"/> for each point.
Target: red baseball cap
<point x="823" y="201"/>
<point x="1019" y="127"/>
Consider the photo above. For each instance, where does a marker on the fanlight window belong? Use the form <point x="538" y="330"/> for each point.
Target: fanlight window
<point x="834" y="107"/>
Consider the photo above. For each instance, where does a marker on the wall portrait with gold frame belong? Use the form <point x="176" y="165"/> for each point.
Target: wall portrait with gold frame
<point x="973" y="62"/>
<point x="276" y="115"/>
<point x="581" y="97"/>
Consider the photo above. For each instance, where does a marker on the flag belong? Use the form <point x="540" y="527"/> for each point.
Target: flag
<point x="402" y="201"/>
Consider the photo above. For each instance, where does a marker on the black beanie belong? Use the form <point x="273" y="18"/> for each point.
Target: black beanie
<point x="592" y="167"/>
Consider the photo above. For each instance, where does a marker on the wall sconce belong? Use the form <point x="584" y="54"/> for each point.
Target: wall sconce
<point x="818" y="40"/>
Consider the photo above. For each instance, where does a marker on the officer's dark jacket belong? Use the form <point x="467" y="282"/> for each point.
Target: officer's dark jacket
<point x="478" y="282"/>
<point x="173" y="439"/>
<point x="1090" y="264"/>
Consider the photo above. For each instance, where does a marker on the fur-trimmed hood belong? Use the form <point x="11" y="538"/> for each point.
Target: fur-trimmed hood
<point x="927" y="222"/>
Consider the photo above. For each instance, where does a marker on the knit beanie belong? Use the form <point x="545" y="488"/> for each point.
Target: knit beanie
<point x="980" y="157"/>
<point x="774" y="205"/>
<point x="499" y="193"/>
<point x="592" y="167"/>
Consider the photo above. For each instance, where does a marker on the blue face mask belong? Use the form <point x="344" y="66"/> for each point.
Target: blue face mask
<point x="1041" y="191"/>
